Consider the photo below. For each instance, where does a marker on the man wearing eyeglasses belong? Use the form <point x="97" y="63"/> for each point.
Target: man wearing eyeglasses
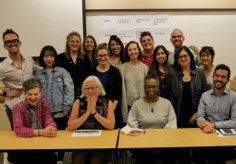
<point x="14" y="70"/>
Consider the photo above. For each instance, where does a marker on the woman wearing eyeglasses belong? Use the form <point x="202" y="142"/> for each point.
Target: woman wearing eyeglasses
<point x="91" y="111"/>
<point x="185" y="85"/>
<point x="111" y="80"/>
<point x="152" y="112"/>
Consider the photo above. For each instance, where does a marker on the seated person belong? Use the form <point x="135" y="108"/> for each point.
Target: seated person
<point x="32" y="118"/>
<point x="91" y="111"/>
<point x="217" y="109"/>
<point x="152" y="111"/>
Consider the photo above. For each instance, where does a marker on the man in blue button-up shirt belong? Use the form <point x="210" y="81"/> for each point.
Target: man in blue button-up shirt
<point x="217" y="109"/>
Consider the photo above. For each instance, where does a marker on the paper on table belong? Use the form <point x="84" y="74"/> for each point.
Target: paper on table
<point x="132" y="131"/>
<point x="87" y="133"/>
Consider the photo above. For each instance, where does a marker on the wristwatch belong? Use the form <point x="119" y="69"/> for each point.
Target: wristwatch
<point x="93" y="114"/>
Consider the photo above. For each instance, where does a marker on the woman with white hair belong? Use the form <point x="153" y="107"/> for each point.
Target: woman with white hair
<point x="91" y="111"/>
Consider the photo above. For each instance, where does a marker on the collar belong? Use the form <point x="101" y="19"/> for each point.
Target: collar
<point x="226" y="91"/>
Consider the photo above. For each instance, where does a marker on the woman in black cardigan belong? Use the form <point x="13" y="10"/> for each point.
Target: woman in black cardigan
<point x="111" y="80"/>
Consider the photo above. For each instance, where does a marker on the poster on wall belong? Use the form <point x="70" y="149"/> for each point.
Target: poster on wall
<point x="129" y="27"/>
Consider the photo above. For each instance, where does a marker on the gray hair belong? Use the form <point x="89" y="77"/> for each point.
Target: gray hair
<point x="31" y="84"/>
<point x="89" y="78"/>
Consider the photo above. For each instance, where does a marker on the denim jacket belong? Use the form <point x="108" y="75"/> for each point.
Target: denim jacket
<point x="174" y="89"/>
<point x="58" y="89"/>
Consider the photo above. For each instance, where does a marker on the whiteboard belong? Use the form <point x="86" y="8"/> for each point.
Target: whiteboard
<point x="40" y="23"/>
<point x="213" y="28"/>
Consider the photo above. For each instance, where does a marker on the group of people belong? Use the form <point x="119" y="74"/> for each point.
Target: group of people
<point x="108" y="86"/>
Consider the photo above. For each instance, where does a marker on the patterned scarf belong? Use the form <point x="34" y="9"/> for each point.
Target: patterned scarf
<point x="35" y="124"/>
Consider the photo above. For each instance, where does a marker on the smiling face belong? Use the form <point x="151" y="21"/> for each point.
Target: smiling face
<point x="74" y="43"/>
<point x="91" y="88"/>
<point x="206" y="59"/>
<point x="133" y="51"/>
<point x="151" y="88"/>
<point x="115" y="47"/>
<point x="33" y="96"/>
<point x="184" y="59"/>
<point x="12" y="43"/>
<point x="103" y="57"/>
<point x="220" y="79"/>
<point x="161" y="56"/>
<point x="89" y="44"/>
<point x="49" y="59"/>
<point x="147" y="43"/>
<point x="177" y="38"/>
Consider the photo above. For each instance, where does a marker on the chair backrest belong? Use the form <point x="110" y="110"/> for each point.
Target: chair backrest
<point x="233" y="84"/>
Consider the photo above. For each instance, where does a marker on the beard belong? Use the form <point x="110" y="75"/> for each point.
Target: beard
<point x="221" y="86"/>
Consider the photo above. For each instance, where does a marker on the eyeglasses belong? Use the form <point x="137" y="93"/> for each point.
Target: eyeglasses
<point x="10" y="42"/>
<point x="183" y="57"/>
<point x="151" y="86"/>
<point x="101" y="56"/>
<point x="91" y="88"/>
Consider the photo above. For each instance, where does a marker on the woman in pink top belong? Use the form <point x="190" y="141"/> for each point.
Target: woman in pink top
<point x="32" y="118"/>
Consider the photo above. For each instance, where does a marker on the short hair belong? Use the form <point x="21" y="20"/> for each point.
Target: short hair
<point x="207" y="49"/>
<point x="89" y="78"/>
<point x="9" y="31"/>
<point x="151" y="76"/>
<point x="224" y="67"/>
<point x="176" y="57"/>
<point x="126" y="50"/>
<point x="145" y="33"/>
<point x="31" y="84"/>
<point x="102" y="46"/>
<point x="42" y="53"/>
<point x="117" y="39"/>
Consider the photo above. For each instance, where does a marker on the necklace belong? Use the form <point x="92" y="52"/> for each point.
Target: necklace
<point x="151" y="104"/>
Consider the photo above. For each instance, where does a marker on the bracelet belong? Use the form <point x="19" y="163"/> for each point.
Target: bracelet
<point x="94" y="114"/>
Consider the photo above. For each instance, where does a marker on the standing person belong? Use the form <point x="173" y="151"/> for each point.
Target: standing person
<point x="89" y="46"/>
<point x="177" y="40"/>
<point x="147" y="43"/>
<point x="184" y="87"/>
<point x="132" y="72"/>
<point x="116" y="48"/>
<point x="217" y="109"/>
<point x="111" y="80"/>
<point x="75" y="61"/>
<point x="56" y="81"/>
<point x="160" y="65"/>
<point x="91" y="111"/>
<point x="155" y="112"/>
<point x="32" y="118"/>
<point x="207" y="55"/>
<point x="14" y="70"/>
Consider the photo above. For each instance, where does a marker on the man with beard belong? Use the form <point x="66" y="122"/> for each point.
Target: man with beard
<point x="217" y="109"/>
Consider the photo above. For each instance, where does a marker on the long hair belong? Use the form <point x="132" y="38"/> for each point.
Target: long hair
<point x="154" y="68"/>
<point x="67" y="49"/>
<point x="116" y="39"/>
<point x="126" y="50"/>
<point x="177" y="66"/>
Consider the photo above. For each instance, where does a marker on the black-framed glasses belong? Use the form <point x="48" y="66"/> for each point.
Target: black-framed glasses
<point x="10" y="42"/>
<point x="151" y="86"/>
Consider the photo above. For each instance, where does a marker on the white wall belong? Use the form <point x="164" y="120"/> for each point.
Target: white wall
<point x="213" y="28"/>
<point x="40" y="22"/>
